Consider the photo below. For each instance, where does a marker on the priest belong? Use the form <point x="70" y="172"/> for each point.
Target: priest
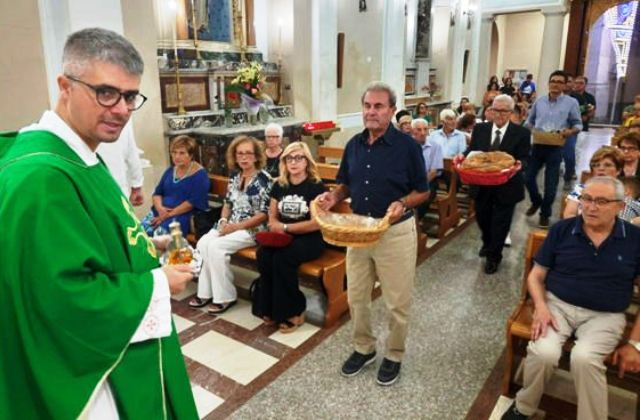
<point x="85" y="316"/>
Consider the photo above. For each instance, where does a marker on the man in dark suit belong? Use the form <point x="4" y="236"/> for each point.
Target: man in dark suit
<point x="495" y="204"/>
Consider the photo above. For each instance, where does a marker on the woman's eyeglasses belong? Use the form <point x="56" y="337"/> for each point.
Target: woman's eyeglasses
<point x="602" y="165"/>
<point x="244" y="154"/>
<point x="292" y="158"/>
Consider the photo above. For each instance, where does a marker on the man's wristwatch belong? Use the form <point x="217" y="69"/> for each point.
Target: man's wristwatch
<point x="635" y="344"/>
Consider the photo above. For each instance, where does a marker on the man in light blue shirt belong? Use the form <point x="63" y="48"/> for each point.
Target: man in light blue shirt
<point x="433" y="162"/>
<point x="452" y="141"/>
<point x="554" y="112"/>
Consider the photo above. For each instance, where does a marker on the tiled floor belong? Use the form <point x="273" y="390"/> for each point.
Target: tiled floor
<point x="231" y="356"/>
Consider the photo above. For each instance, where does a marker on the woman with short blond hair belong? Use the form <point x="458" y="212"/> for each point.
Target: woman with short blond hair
<point x="279" y="299"/>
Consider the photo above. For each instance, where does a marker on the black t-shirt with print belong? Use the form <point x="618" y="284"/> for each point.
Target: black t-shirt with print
<point x="294" y="200"/>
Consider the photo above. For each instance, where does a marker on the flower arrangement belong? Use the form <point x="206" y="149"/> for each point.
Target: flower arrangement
<point x="249" y="80"/>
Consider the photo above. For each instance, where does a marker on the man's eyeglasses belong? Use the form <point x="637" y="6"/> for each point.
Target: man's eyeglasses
<point x="597" y="201"/>
<point x="108" y="96"/>
<point x="557" y="81"/>
<point x="296" y="158"/>
<point x="502" y="111"/>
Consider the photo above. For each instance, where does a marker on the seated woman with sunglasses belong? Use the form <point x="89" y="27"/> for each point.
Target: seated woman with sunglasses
<point x="606" y="161"/>
<point x="279" y="299"/>
<point x="243" y="214"/>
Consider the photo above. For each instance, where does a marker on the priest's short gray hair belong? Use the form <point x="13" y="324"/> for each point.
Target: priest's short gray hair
<point x="97" y="44"/>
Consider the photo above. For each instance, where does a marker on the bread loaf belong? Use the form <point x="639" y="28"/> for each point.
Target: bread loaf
<point x="488" y="162"/>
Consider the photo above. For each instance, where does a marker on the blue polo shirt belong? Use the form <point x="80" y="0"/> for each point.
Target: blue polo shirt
<point x="600" y="279"/>
<point x="381" y="173"/>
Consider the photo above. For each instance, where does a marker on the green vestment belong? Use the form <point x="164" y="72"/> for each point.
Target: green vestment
<point x="75" y="283"/>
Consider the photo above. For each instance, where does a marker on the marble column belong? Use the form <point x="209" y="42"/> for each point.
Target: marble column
<point x="551" y="47"/>
<point x="478" y="72"/>
<point x="61" y="18"/>
<point x="393" y="47"/>
<point x="457" y="41"/>
<point x="324" y="34"/>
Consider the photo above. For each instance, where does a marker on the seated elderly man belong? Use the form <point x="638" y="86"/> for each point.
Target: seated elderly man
<point x="451" y="140"/>
<point x="581" y="284"/>
<point x="433" y="161"/>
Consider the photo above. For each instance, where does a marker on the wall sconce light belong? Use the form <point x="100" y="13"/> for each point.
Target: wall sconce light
<point x="362" y="4"/>
<point x="470" y="13"/>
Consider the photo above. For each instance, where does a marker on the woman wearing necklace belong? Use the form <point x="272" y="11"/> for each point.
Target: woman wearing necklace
<point x="182" y="190"/>
<point x="243" y="214"/>
<point x="273" y="143"/>
<point x="279" y="299"/>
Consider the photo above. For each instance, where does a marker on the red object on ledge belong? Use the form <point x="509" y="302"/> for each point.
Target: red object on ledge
<point x="318" y="125"/>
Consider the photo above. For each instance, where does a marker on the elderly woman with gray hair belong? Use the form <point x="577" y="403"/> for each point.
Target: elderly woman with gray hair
<point x="273" y="148"/>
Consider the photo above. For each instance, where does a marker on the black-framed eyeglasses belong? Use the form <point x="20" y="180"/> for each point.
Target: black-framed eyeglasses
<point x="296" y="158"/>
<point x="628" y="149"/>
<point x="109" y="96"/>
<point x="598" y="201"/>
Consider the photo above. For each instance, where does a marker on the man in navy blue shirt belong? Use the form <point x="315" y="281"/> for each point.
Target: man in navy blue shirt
<point x="382" y="170"/>
<point x="581" y="285"/>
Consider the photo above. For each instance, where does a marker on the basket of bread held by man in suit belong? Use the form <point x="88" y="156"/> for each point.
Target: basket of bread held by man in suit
<point x="487" y="168"/>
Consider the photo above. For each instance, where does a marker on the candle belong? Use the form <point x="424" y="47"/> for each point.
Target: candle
<point x="280" y="40"/>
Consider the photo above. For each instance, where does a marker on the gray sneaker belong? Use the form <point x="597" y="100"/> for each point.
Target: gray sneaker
<point x="356" y="362"/>
<point x="388" y="372"/>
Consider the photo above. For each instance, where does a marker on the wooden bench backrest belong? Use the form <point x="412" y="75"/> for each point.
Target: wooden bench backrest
<point x="218" y="185"/>
<point x="534" y="242"/>
<point x="325" y="152"/>
<point x="584" y="176"/>
<point x="327" y="171"/>
<point x="448" y="167"/>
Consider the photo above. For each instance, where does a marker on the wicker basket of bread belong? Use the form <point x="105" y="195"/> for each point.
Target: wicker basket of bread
<point x="487" y="168"/>
<point x="549" y="138"/>
<point x="348" y="229"/>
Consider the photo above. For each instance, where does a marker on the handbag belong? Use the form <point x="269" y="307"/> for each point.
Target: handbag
<point x="273" y="239"/>
<point x="254" y="294"/>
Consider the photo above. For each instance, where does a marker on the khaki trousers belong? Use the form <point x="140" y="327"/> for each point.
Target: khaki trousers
<point x="597" y="334"/>
<point x="392" y="262"/>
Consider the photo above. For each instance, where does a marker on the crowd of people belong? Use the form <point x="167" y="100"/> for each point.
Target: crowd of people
<point x="100" y="269"/>
<point x="583" y="276"/>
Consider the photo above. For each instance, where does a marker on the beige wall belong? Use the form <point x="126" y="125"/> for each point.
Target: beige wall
<point x="521" y="43"/>
<point x="139" y="27"/>
<point x="362" y="52"/>
<point x="23" y="80"/>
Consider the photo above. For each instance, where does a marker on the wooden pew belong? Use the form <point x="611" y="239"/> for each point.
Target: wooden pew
<point x="325" y="152"/>
<point x="519" y="333"/>
<point x="445" y="206"/>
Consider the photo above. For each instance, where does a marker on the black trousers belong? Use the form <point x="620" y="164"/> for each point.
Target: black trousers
<point x="279" y="296"/>
<point x="494" y="220"/>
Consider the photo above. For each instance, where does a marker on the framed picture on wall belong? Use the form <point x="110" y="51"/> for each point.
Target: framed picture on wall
<point x="517" y="75"/>
<point x="195" y="93"/>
